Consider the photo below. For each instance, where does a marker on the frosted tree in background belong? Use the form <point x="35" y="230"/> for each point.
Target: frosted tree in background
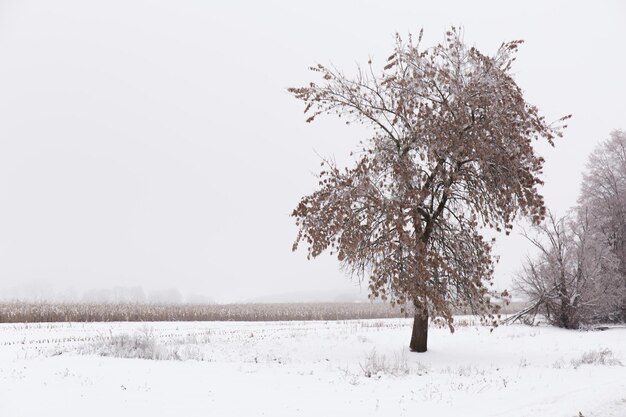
<point x="603" y="197"/>
<point x="450" y="154"/>
<point x="579" y="275"/>
<point x="574" y="278"/>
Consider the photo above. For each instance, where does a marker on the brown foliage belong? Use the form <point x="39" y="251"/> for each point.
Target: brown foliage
<point x="450" y="154"/>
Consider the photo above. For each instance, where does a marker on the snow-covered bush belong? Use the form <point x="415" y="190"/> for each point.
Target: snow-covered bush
<point x="145" y="345"/>
<point x="376" y="365"/>
<point x="140" y="345"/>
<point x="596" y="357"/>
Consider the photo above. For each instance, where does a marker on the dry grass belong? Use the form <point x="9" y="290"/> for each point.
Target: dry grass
<point x="49" y="312"/>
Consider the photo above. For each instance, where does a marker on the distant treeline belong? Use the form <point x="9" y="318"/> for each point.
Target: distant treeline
<point x="84" y="312"/>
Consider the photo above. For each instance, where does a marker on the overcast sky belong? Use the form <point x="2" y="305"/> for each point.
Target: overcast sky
<point x="153" y="143"/>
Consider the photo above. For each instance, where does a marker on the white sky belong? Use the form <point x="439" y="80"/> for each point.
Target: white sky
<point x="153" y="143"/>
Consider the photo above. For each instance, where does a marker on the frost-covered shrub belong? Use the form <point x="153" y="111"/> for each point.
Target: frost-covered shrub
<point x="378" y="365"/>
<point x="145" y="345"/>
<point x="596" y="357"/>
<point x="141" y="345"/>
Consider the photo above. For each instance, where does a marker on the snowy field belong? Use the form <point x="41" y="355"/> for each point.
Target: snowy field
<point x="345" y="368"/>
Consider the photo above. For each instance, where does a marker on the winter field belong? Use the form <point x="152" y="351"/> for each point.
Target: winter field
<point x="308" y="368"/>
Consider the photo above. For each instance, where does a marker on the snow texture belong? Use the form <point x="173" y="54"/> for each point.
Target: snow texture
<point x="357" y="367"/>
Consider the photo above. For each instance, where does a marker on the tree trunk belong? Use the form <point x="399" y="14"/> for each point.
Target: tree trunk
<point x="419" y="337"/>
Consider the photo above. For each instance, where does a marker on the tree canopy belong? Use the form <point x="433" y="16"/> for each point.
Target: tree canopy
<point x="450" y="154"/>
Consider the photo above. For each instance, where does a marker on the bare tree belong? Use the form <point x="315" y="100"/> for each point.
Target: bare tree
<point x="574" y="279"/>
<point x="450" y="154"/>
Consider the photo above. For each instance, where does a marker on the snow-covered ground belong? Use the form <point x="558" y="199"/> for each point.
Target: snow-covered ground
<point x="347" y="368"/>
